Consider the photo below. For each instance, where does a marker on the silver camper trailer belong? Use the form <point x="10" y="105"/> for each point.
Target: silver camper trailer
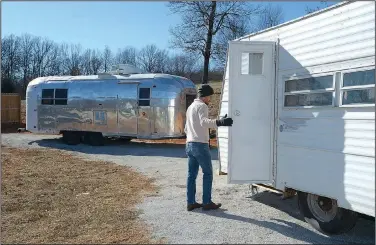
<point x="123" y="103"/>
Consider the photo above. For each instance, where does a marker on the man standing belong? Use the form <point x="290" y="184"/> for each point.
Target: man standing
<point x="197" y="148"/>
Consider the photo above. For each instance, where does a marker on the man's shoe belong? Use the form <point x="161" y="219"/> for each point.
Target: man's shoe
<point x="190" y="207"/>
<point x="211" y="206"/>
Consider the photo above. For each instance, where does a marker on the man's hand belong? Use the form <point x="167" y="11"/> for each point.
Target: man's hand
<point x="224" y="121"/>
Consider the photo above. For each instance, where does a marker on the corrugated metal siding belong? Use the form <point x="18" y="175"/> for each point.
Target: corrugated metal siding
<point x="336" y="146"/>
<point x="342" y="33"/>
<point x="322" y="172"/>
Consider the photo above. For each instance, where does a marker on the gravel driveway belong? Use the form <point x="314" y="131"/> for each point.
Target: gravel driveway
<point x="263" y="218"/>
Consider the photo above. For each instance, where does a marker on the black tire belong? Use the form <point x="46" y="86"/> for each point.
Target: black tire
<point x="343" y="221"/>
<point x="94" y="138"/>
<point x="123" y="139"/>
<point x="71" y="137"/>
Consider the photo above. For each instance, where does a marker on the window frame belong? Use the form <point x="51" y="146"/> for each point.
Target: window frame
<point x="54" y="97"/>
<point x="262" y="63"/>
<point x="304" y="92"/>
<point x="143" y="99"/>
<point x="352" y="88"/>
<point x="45" y="98"/>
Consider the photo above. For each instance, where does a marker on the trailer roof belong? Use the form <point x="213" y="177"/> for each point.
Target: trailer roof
<point x="124" y="79"/>
<point x="296" y="20"/>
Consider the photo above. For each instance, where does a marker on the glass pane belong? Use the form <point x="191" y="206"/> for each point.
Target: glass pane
<point x="252" y="63"/>
<point x="364" y="96"/>
<point x="61" y="101"/>
<point x="255" y="63"/>
<point x="144" y="93"/>
<point x="359" y="78"/>
<point x="321" y="99"/>
<point x="47" y="93"/>
<point x="47" y="101"/>
<point x="311" y="83"/>
<point x="144" y="102"/>
<point x="245" y="64"/>
<point x="61" y="93"/>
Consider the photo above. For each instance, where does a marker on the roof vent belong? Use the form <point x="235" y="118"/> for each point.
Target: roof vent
<point x="124" y="69"/>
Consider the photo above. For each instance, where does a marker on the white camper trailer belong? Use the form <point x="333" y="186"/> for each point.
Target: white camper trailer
<point x="302" y="97"/>
<point x="123" y="103"/>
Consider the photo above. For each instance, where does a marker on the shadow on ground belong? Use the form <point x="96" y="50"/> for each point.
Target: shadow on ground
<point x="122" y="148"/>
<point x="363" y="232"/>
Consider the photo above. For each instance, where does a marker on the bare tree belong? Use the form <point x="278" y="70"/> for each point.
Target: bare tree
<point x="271" y="15"/>
<point x="152" y="59"/>
<point x="182" y="65"/>
<point x="323" y="4"/>
<point x="107" y="58"/>
<point x="86" y="62"/>
<point x="96" y="61"/>
<point x="10" y="56"/>
<point x="72" y="58"/>
<point x="26" y="57"/>
<point x="56" y="61"/>
<point x="235" y="29"/>
<point x="41" y="49"/>
<point x="202" y="21"/>
<point x="127" y="55"/>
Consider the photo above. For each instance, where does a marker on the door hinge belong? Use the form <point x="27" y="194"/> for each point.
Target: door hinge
<point x="275" y="58"/>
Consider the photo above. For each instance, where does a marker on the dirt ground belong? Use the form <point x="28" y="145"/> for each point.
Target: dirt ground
<point x="52" y="197"/>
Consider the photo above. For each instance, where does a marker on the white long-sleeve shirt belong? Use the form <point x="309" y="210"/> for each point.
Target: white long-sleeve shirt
<point x="198" y="123"/>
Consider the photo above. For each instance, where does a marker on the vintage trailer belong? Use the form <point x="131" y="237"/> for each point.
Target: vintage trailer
<point x="88" y="108"/>
<point x="302" y="97"/>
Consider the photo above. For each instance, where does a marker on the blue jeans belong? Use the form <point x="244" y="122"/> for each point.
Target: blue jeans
<point x="199" y="155"/>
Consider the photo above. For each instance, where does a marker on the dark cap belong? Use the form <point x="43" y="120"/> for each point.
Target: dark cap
<point x="205" y="90"/>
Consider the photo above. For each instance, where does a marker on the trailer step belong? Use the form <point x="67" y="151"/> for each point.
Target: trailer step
<point x="288" y="193"/>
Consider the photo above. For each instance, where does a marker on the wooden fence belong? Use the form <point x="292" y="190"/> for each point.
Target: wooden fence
<point x="10" y="108"/>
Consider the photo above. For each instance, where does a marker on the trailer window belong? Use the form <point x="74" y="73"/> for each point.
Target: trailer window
<point x="311" y="91"/>
<point x="61" y="96"/>
<point x="144" y="97"/>
<point x="358" y="88"/>
<point x="47" y="96"/>
<point x="252" y="63"/>
<point x="54" y="96"/>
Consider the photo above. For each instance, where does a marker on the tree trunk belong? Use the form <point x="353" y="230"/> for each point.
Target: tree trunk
<point x="208" y="44"/>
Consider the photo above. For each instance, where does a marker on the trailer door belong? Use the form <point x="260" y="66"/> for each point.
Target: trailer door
<point x="251" y="105"/>
<point x="127" y="108"/>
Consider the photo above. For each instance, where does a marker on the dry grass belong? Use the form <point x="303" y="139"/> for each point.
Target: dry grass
<point x="51" y="197"/>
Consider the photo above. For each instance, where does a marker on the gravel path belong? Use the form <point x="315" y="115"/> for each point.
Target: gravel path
<point x="263" y="218"/>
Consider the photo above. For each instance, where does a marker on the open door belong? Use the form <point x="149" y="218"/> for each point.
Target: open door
<point x="251" y="105"/>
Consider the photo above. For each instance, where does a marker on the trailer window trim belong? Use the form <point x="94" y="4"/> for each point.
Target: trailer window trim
<point x="352" y="88"/>
<point x="53" y="100"/>
<point x="144" y="101"/>
<point x="309" y="93"/>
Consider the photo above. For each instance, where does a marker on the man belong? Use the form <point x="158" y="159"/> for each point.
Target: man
<point x="197" y="148"/>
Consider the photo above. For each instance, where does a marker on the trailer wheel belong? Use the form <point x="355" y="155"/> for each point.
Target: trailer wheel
<point x="125" y="139"/>
<point x="325" y="215"/>
<point x="71" y="137"/>
<point x="94" y="139"/>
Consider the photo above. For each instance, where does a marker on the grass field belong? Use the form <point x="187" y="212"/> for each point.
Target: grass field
<point x="52" y="197"/>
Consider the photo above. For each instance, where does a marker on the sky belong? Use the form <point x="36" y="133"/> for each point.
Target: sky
<point x="96" y="24"/>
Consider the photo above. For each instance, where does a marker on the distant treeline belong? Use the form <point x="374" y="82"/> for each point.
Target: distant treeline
<point x="26" y="57"/>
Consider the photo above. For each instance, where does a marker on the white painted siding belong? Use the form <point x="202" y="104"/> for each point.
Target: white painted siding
<point x="333" y="149"/>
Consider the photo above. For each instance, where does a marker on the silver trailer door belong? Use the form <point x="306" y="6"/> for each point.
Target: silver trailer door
<point x="145" y="112"/>
<point x="127" y="109"/>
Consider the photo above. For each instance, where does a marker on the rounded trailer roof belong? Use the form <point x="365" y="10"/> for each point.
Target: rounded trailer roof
<point x="131" y="78"/>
